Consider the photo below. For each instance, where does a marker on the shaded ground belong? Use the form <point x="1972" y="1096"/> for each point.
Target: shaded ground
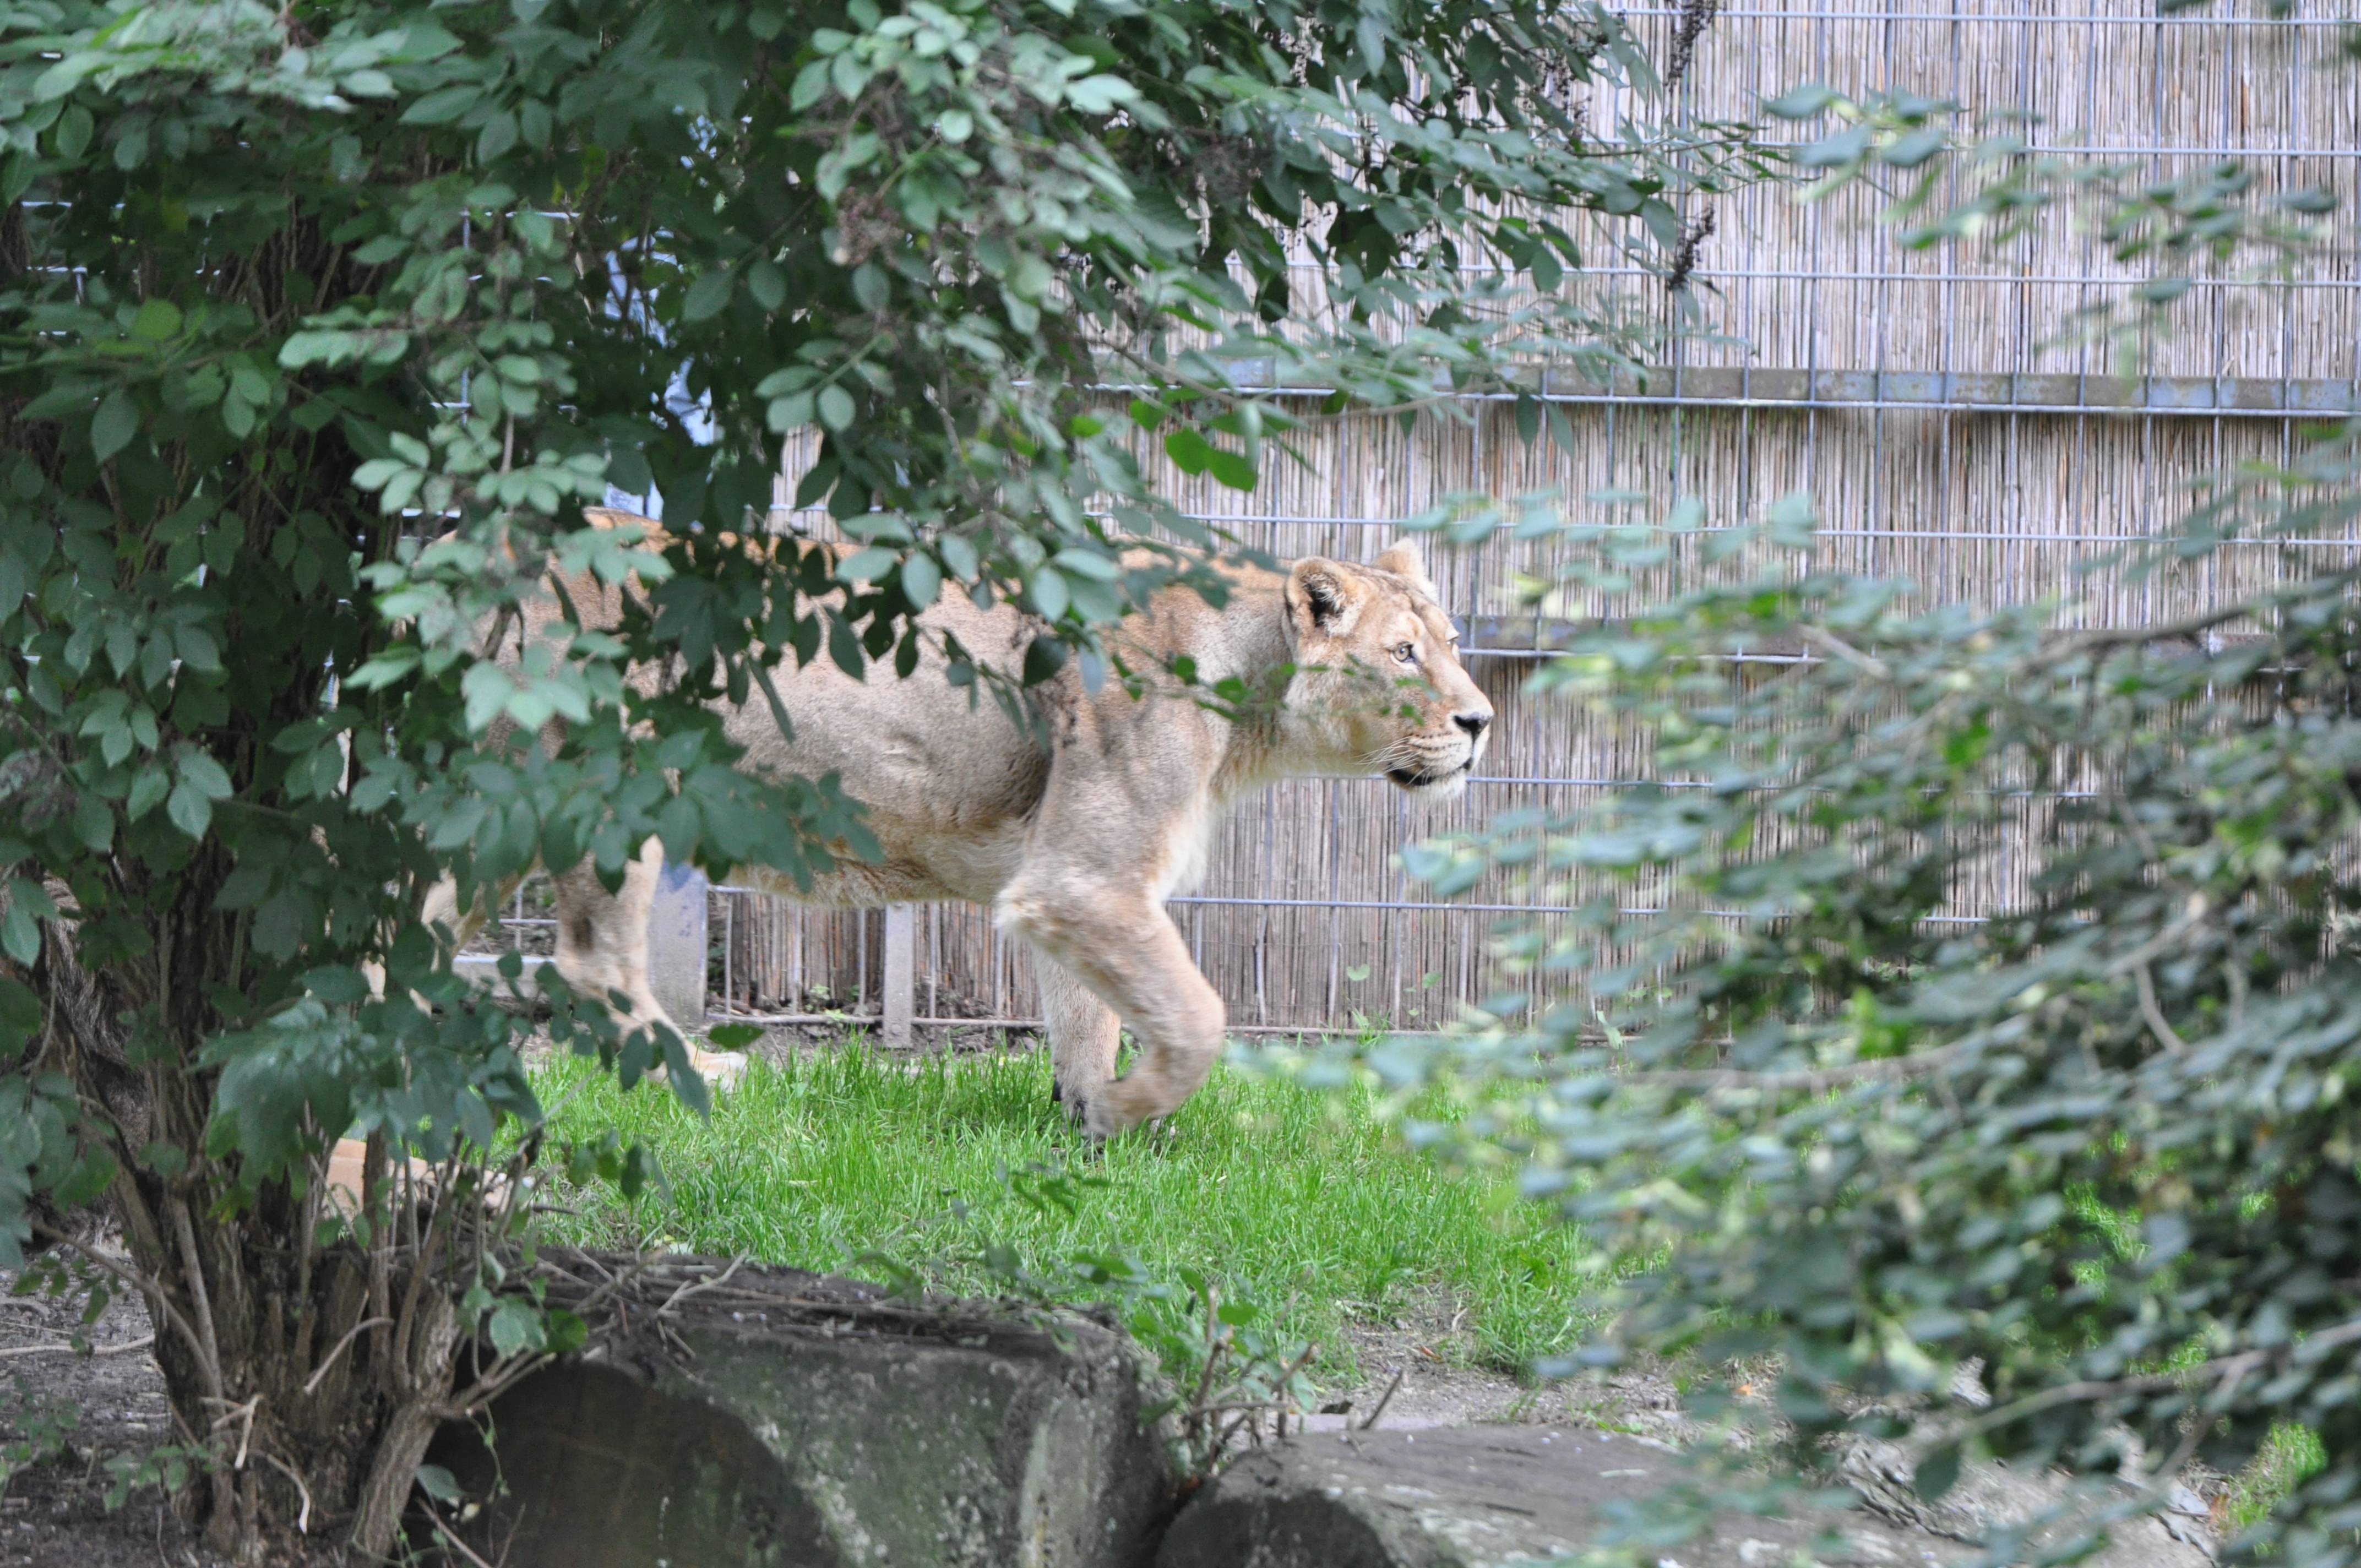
<point x="53" y="1513"/>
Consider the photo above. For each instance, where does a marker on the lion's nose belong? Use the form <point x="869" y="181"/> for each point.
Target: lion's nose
<point x="1474" y="723"/>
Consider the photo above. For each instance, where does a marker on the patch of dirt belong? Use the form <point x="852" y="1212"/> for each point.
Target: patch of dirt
<point x="1418" y="1370"/>
<point x="53" y="1514"/>
<point x="1421" y="1370"/>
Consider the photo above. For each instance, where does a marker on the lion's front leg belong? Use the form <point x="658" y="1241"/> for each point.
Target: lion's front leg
<point x="1125" y="949"/>
<point x="1083" y="1034"/>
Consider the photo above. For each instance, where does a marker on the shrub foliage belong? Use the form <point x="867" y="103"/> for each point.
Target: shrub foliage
<point x="320" y="324"/>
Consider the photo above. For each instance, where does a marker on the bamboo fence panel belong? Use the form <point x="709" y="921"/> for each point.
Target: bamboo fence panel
<point x="1931" y="401"/>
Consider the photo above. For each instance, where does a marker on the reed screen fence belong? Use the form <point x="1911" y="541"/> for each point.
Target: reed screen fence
<point x="1927" y="400"/>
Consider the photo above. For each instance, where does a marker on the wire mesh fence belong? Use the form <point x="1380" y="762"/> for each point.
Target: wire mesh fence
<point x="1938" y="404"/>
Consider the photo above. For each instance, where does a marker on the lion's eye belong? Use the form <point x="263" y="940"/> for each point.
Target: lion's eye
<point x="1403" y="653"/>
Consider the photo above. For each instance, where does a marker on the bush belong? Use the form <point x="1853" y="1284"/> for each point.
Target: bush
<point x="2101" y="1143"/>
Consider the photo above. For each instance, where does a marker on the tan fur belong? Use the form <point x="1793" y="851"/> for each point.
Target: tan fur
<point x="1077" y="844"/>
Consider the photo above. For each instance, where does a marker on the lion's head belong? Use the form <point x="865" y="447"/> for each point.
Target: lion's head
<point x="1378" y="685"/>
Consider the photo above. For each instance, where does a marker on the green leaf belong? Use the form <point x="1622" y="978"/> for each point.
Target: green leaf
<point x="112" y="428"/>
<point x="515" y="1326"/>
<point x="1231" y="468"/>
<point x="768" y="284"/>
<point x="1802" y="103"/>
<point x="790" y="413"/>
<point x="74" y="131"/>
<point x="156" y="320"/>
<point x="688" y="1086"/>
<point x="1937" y="1473"/>
<point x="1101" y="95"/>
<point x="834" y="407"/>
<point x="439" y="1484"/>
<point x="443" y="107"/>
<point x="1910" y="151"/>
<point x="707" y="295"/>
<point x="498" y="137"/>
<point x="1190" y="452"/>
<point x="865" y="565"/>
<point x="922" y="580"/>
<point x="20" y="937"/>
<point x="189" y="809"/>
<point x="207" y="776"/>
<point x="149" y="787"/>
<point x="1793" y="522"/>
<point x="1047" y="591"/>
<point x="1844" y="147"/>
<point x="1043" y="657"/>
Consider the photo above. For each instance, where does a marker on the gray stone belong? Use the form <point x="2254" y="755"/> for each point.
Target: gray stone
<point x="792" y="1420"/>
<point x="1445" y="1498"/>
<point x="1489" y="1497"/>
<point x="1990" y="1498"/>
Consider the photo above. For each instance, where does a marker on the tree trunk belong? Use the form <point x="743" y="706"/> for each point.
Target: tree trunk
<point x="316" y="1375"/>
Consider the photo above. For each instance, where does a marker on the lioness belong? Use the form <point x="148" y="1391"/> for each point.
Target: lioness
<point x="1077" y="845"/>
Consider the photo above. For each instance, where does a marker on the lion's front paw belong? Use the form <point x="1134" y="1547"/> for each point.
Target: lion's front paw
<point x="1118" y="1107"/>
<point x="720" y="1070"/>
<point x="1072" y="1104"/>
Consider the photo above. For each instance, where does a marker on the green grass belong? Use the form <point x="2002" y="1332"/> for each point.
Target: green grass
<point x="2289" y="1455"/>
<point x="1295" y="1199"/>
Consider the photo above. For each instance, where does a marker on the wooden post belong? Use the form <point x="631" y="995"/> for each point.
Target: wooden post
<point x="676" y="945"/>
<point x="900" y="982"/>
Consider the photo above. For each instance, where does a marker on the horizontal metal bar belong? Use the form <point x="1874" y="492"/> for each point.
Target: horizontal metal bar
<point x="1709" y="272"/>
<point x="1415" y="908"/>
<point x="2134" y="149"/>
<point x="1484" y="653"/>
<point x="2083" y="18"/>
<point x="1988" y="536"/>
<point x="1998" y="392"/>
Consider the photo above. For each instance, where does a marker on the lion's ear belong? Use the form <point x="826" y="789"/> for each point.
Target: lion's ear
<point x="1321" y="597"/>
<point x="1403" y="560"/>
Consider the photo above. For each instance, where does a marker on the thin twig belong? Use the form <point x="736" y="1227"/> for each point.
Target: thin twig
<point x="2188" y="626"/>
<point x="444" y="1531"/>
<point x="303" y="1515"/>
<point x="126" y="1348"/>
<point x="2198" y="909"/>
<point x="693" y="1287"/>
<point x="2091" y="1391"/>
<point x="1386" y="1398"/>
<point x="151" y="1289"/>
<point x="1869" y="664"/>
<point x="199" y="1296"/>
<point x="243" y="1414"/>
<point x="2155" y="1014"/>
<point x="342" y="1345"/>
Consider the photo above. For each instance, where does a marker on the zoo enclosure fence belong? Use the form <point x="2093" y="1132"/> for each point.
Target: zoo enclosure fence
<point x="1922" y="397"/>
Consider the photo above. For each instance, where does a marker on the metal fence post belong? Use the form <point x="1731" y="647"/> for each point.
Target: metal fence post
<point x="676" y="945"/>
<point x="900" y="982"/>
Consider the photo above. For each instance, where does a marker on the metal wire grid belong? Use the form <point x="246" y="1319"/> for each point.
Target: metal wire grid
<point x="1820" y="298"/>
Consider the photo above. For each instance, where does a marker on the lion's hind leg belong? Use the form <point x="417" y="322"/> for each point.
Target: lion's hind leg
<point x="602" y="949"/>
<point x="1083" y="1034"/>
